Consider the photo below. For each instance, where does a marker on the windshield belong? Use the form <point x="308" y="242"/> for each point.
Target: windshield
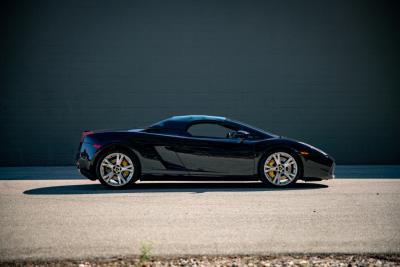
<point x="158" y="124"/>
<point x="254" y="128"/>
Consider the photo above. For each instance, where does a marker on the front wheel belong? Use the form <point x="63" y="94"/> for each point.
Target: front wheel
<point x="280" y="169"/>
<point x="117" y="169"/>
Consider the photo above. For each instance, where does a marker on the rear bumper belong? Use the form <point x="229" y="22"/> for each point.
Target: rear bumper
<point x="84" y="161"/>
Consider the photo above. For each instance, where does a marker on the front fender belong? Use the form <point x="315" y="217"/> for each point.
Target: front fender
<point x="315" y="164"/>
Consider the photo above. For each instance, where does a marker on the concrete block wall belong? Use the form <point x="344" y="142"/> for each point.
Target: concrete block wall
<point x="322" y="72"/>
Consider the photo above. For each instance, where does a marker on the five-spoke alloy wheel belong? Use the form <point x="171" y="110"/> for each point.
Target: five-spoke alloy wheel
<point x="280" y="169"/>
<point x="117" y="169"/>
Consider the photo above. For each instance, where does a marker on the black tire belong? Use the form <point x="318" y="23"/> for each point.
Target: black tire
<point x="128" y="156"/>
<point x="266" y="180"/>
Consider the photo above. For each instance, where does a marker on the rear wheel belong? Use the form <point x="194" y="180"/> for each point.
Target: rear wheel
<point x="280" y="169"/>
<point x="117" y="169"/>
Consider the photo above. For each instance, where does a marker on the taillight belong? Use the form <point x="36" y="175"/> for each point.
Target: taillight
<point x="84" y="134"/>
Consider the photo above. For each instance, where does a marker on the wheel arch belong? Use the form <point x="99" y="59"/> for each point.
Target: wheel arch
<point x="283" y="148"/>
<point x="116" y="146"/>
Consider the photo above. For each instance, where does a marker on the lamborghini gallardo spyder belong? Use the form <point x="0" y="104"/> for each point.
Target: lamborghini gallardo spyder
<point x="199" y="146"/>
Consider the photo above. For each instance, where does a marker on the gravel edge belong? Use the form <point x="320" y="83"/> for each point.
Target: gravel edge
<point x="302" y="260"/>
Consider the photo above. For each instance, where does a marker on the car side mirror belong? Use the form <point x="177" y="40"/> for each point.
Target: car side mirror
<point x="242" y="134"/>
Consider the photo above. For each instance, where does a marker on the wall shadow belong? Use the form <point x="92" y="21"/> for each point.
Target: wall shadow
<point x="166" y="188"/>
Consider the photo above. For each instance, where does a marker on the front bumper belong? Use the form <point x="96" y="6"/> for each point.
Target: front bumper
<point x="319" y="170"/>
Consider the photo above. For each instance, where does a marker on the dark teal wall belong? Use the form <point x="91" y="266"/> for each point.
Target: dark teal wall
<point x="326" y="72"/>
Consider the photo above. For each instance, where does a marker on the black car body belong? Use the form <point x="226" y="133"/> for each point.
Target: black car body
<point x="169" y="148"/>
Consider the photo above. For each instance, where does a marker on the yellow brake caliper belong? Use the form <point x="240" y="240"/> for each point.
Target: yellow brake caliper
<point x="125" y="163"/>
<point x="271" y="173"/>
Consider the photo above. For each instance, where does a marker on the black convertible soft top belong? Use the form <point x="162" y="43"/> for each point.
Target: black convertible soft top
<point x="181" y="122"/>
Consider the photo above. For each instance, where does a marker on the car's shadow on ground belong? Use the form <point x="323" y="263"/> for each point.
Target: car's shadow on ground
<point x="193" y="187"/>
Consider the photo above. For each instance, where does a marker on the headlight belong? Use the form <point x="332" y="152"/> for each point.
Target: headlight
<point x="315" y="148"/>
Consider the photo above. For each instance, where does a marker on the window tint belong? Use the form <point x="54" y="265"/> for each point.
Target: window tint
<point x="208" y="130"/>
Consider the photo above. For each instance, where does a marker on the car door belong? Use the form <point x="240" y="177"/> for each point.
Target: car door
<point x="158" y="153"/>
<point x="209" y="151"/>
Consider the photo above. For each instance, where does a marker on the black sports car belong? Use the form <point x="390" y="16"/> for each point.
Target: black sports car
<point x="198" y="145"/>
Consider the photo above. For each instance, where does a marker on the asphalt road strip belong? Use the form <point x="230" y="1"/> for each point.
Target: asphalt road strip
<point x="80" y="219"/>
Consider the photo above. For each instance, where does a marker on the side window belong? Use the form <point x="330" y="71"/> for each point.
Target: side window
<point x="209" y="130"/>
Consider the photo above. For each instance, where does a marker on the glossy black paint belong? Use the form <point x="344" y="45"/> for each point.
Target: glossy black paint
<point x="166" y="148"/>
